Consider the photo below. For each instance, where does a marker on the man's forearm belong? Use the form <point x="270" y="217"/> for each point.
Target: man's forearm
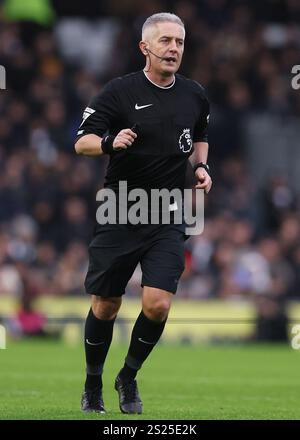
<point x="89" y="145"/>
<point x="200" y="153"/>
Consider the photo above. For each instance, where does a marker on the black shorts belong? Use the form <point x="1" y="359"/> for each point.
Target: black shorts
<point x="116" y="250"/>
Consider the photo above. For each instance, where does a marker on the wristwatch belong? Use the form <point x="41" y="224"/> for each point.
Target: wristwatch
<point x="202" y="165"/>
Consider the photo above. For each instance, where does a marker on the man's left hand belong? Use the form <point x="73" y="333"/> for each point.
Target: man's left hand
<point x="204" y="180"/>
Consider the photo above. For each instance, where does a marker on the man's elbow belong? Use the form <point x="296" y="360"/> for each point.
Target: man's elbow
<point x="88" y="145"/>
<point x="79" y="147"/>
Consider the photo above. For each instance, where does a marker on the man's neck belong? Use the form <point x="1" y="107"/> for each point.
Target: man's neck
<point x="158" y="79"/>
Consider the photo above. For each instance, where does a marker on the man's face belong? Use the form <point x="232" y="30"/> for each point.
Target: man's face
<point x="166" y="40"/>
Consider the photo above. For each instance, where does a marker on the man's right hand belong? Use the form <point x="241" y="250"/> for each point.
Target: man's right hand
<point x="124" y="139"/>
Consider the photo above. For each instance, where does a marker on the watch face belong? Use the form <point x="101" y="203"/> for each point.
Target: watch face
<point x="202" y="165"/>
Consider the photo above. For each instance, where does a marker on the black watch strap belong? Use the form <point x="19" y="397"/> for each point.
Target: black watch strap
<point x="202" y="165"/>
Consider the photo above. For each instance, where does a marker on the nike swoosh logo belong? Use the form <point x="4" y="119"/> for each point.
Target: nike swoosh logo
<point x="145" y="342"/>
<point x="92" y="343"/>
<point x="138" y="107"/>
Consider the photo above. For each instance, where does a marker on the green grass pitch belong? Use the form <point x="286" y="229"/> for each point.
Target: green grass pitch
<point x="44" y="380"/>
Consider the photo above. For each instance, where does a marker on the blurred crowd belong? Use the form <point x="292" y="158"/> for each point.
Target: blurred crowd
<point x="242" y="53"/>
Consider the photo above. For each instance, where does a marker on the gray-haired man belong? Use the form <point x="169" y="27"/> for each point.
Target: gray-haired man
<point x="170" y="116"/>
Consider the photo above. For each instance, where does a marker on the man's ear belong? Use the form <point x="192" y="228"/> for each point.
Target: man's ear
<point x="143" y="47"/>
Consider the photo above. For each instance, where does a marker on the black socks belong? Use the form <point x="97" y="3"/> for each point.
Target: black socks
<point x="97" y="338"/>
<point x="144" y="337"/>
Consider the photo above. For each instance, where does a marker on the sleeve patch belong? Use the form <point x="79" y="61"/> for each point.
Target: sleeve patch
<point x="87" y="112"/>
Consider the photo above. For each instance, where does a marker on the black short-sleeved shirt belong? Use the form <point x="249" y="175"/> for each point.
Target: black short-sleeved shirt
<point x="169" y="119"/>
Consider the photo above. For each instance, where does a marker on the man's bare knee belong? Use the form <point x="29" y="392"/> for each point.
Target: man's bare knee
<point x="156" y="303"/>
<point x="106" y="308"/>
<point x="157" y="311"/>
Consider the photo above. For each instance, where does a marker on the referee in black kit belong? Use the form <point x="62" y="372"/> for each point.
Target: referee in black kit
<point x="139" y="120"/>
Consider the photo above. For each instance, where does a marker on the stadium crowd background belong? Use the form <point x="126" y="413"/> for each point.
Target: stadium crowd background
<point x="240" y="51"/>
